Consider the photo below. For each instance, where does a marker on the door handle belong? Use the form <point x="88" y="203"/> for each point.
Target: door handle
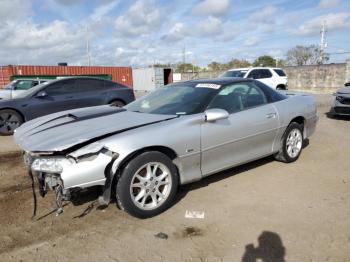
<point x="271" y="115"/>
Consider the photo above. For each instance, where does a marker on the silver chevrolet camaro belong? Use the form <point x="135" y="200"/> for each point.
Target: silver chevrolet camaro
<point x="176" y="135"/>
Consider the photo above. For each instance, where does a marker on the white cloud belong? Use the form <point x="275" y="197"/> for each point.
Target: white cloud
<point x="142" y="18"/>
<point x="101" y="11"/>
<point x="14" y="10"/>
<point x="334" y="21"/>
<point x="33" y="36"/>
<point x="69" y="2"/>
<point x="328" y="3"/>
<point x="210" y="26"/>
<point x="264" y="15"/>
<point x="251" y="41"/>
<point x="211" y="7"/>
<point x="176" y="33"/>
<point x="31" y="43"/>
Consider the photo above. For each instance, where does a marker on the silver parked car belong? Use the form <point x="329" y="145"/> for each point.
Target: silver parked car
<point x="18" y="87"/>
<point x="341" y="105"/>
<point x="176" y="135"/>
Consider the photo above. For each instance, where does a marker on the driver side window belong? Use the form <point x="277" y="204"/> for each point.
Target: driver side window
<point x="238" y="97"/>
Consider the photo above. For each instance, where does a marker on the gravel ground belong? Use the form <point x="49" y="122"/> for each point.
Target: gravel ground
<point x="8" y="145"/>
<point x="265" y="209"/>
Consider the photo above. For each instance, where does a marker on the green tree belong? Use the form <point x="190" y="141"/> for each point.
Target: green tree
<point x="265" y="60"/>
<point x="215" y="66"/>
<point x="187" y="67"/>
<point x="237" y="63"/>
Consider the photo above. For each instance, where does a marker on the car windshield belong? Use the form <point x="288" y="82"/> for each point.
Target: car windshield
<point x="10" y="85"/>
<point x="234" y="73"/>
<point x="32" y="90"/>
<point x="174" y="100"/>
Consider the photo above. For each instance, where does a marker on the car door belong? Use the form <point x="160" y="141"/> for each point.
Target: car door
<point x="247" y="134"/>
<point x="55" y="97"/>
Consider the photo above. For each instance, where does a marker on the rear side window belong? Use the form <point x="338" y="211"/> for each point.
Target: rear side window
<point x="265" y="73"/>
<point x="85" y="85"/>
<point x="271" y="95"/>
<point x="61" y="87"/>
<point x="237" y="97"/>
<point x="260" y="74"/>
<point x="280" y="72"/>
<point x="254" y="74"/>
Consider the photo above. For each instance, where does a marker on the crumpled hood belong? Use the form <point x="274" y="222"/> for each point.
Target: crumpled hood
<point x="60" y="131"/>
<point x="344" y="90"/>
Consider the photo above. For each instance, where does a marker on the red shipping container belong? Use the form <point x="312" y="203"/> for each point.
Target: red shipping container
<point x="121" y="75"/>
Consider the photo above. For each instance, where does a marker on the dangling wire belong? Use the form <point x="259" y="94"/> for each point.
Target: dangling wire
<point x="33" y="189"/>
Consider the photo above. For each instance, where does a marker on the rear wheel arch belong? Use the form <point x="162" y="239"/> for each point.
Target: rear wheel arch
<point x="281" y="87"/>
<point x="299" y="120"/>
<point x="117" y="100"/>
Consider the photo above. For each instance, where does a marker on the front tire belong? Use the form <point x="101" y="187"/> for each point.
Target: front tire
<point x="9" y="121"/>
<point x="147" y="185"/>
<point x="292" y="143"/>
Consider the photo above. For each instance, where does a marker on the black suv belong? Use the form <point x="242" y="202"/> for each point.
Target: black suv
<point x="59" y="95"/>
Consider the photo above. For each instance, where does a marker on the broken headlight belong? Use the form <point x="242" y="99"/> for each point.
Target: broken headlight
<point x="48" y="165"/>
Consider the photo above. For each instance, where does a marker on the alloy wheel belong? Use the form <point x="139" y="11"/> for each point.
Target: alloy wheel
<point x="8" y="122"/>
<point x="150" y="185"/>
<point x="294" y="142"/>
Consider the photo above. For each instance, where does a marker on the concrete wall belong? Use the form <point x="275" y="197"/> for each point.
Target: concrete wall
<point x="316" y="78"/>
<point x="196" y="75"/>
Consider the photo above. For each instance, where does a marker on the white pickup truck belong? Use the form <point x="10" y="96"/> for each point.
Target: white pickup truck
<point x="18" y="86"/>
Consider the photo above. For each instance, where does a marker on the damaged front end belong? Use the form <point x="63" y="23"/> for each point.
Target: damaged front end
<point x="65" y="172"/>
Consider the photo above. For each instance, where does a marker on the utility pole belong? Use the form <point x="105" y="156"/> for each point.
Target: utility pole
<point x="323" y="43"/>
<point x="88" y="46"/>
<point x="184" y="55"/>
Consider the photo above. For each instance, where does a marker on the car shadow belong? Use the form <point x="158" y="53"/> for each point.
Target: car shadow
<point x="270" y="249"/>
<point x="183" y="190"/>
<point x="90" y="195"/>
<point x="337" y="117"/>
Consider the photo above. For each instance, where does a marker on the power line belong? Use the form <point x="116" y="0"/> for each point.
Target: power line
<point x="339" y="53"/>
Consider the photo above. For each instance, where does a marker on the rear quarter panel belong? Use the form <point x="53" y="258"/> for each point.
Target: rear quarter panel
<point x="125" y="94"/>
<point x="292" y="107"/>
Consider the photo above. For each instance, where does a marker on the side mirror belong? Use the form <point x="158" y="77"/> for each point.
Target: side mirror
<point x="41" y="94"/>
<point x="211" y="115"/>
<point x="347" y="84"/>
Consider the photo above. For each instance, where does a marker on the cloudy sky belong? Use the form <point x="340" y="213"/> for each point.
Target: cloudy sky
<point x="146" y="31"/>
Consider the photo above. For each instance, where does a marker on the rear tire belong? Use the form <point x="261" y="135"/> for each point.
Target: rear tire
<point x="147" y="185"/>
<point x="292" y="143"/>
<point x="9" y="121"/>
<point x="117" y="103"/>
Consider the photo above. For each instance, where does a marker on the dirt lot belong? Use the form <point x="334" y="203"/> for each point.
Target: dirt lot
<point x="266" y="209"/>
